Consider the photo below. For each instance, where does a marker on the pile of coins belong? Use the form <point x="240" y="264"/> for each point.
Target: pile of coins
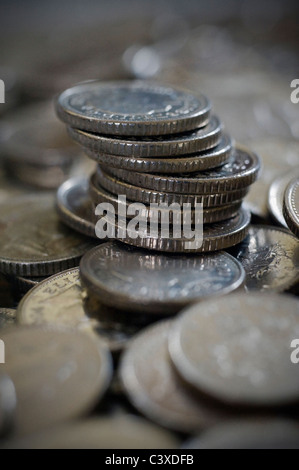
<point x="157" y="145"/>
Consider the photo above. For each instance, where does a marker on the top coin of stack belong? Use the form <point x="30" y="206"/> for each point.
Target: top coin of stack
<point x="156" y="144"/>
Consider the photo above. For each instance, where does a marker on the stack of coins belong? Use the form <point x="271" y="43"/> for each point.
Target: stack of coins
<point x="157" y="145"/>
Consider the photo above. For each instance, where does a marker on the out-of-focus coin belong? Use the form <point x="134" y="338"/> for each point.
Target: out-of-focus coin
<point x="291" y="206"/>
<point x="240" y="172"/>
<point x="276" y="195"/>
<point x="24" y="284"/>
<point x="7" y="316"/>
<point x="147" y="196"/>
<point x="215" y="237"/>
<point x="154" y="389"/>
<point x="237" y="349"/>
<point x="7" y="404"/>
<point x="58" y="301"/>
<point x="37" y="175"/>
<point x="249" y="434"/>
<point x="115" y="432"/>
<point x="34" y="242"/>
<point x="270" y="257"/>
<point x="132" y="108"/>
<point x="126" y="277"/>
<point x="74" y="206"/>
<point x="198" y="140"/>
<point x="58" y="374"/>
<point x="189" y="163"/>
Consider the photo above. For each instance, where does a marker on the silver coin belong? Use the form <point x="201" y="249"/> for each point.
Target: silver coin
<point x="148" y="196"/>
<point x="186" y="164"/>
<point x="132" y="108"/>
<point x="7" y="317"/>
<point x="240" y="172"/>
<point x="217" y="236"/>
<point x="276" y="195"/>
<point x="126" y="277"/>
<point x="270" y="257"/>
<point x="291" y="206"/>
<point x="75" y="207"/>
<point x="190" y="142"/>
<point x="8" y="404"/>
<point x="237" y="349"/>
<point x="154" y="389"/>
<point x="251" y="434"/>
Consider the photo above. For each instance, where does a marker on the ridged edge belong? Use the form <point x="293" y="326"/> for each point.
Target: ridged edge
<point x="289" y="209"/>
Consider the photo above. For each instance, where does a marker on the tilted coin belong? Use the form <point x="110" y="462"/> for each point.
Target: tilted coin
<point x="33" y="241"/>
<point x="126" y="277"/>
<point x="215" y="237"/>
<point x="270" y="257"/>
<point x="58" y="374"/>
<point x="251" y="434"/>
<point x="7" y="317"/>
<point x="210" y="214"/>
<point x="276" y="195"/>
<point x="74" y="206"/>
<point x="189" y="142"/>
<point x="7" y="404"/>
<point x="147" y="196"/>
<point x="114" y="432"/>
<point x="291" y="206"/>
<point x="237" y="348"/>
<point x="240" y="172"/>
<point x="59" y="301"/>
<point x="154" y="389"/>
<point x="24" y="284"/>
<point x="188" y="163"/>
<point x="132" y="108"/>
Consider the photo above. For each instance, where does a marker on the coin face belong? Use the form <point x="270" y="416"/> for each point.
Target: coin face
<point x="131" y="108"/>
<point x="189" y="142"/>
<point x="7" y="317"/>
<point x="188" y="163"/>
<point x="74" y="206"/>
<point x="237" y="348"/>
<point x="270" y="257"/>
<point x="276" y="196"/>
<point x="7" y="404"/>
<point x="291" y="206"/>
<point x="239" y="172"/>
<point x="33" y="241"/>
<point x="123" y="277"/>
<point x="50" y="365"/>
<point x="59" y="301"/>
<point x="154" y="389"/>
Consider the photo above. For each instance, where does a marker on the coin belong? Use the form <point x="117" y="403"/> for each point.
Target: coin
<point x="126" y="277"/>
<point x="58" y="374"/>
<point x="236" y="349"/>
<point x="276" y="195"/>
<point x="74" y="206"/>
<point x="132" y="108"/>
<point x="249" y="434"/>
<point x="240" y="172"/>
<point x="7" y="404"/>
<point x="291" y="206"/>
<point x="34" y="242"/>
<point x="270" y="257"/>
<point x="217" y="236"/>
<point x="59" y="301"/>
<point x="7" y="317"/>
<point x="189" y="163"/>
<point x="154" y="388"/>
<point x="24" y="284"/>
<point x="189" y="142"/>
<point x="148" y="196"/>
<point x="113" y="432"/>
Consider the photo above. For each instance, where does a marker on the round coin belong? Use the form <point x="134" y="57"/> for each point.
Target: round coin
<point x="50" y="365"/>
<point x="130" y="278"/>
<point x="189" y="163"/>
<point x="33" y="241"/>
<point x="154" y="389"/>
<point x="240" y="172"/>
<point x="276" y="196"/>
<point x="132" y="108"/>
<point x="237" y="348"/>
<point x="270" y="257"/>
<point x="7" y="317"/>
<point x="291" y="206"/>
